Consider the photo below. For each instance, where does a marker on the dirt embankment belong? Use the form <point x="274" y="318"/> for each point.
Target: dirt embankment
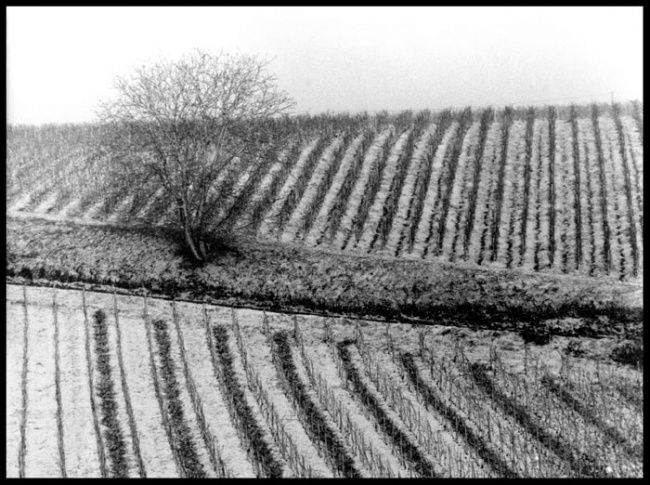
<point x="277" y="277"/>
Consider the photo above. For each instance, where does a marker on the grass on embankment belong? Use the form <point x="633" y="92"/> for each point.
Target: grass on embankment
<point x="283" y="278"/>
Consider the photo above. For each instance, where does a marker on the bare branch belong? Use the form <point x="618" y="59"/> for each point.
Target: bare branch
<point x="181" y="123"/>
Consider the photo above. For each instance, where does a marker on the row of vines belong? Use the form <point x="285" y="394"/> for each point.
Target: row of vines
<point x="145" y="388"/>
<point x="545" y="189"/>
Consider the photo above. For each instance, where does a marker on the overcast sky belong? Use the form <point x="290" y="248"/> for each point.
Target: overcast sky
<point x="62" y="61"/>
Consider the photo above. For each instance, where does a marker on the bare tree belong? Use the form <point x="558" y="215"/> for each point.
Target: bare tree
<point x="179" y="124"/>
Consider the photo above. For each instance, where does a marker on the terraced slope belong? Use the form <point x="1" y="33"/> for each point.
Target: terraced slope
<point x="107" y="386"/>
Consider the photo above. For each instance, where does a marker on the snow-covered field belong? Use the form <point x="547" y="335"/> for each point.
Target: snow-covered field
<point x="504" y="193"/>
<point x="139" y="392"/>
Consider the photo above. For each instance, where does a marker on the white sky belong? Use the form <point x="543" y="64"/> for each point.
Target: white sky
<point x="61" y="61"/>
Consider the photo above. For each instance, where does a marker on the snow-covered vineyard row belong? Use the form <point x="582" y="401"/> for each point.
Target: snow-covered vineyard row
<point x="536" y="190"/>
<point x="123" y="386"/>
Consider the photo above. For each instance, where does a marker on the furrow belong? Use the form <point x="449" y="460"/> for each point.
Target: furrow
<point x="270" y="219"/>
<point x="297" y="217"/>
<point x="375" y="212"/>
<point x="15" y="355"/>
<point x="407" y="196"/>
<point x="369" y="162"/>
<point x="431" y="199"/>
<point x="480" y="235"/>
<point x="456" y="223"/>
<point x="41" y="435"/>
<point x="512" y="179"/>
<point x="317" y="231"/>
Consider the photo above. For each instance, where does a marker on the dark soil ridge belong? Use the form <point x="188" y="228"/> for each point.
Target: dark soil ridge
<point x="167" y="231"/>
<point x="293" y="280"/>
<point x="568" y="327"/>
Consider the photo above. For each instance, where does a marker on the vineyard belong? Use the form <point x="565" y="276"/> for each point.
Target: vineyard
<point x="107" y="385"/>
<point x="558" y="189"/>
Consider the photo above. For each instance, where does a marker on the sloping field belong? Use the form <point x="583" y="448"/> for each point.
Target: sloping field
<point x="553" y="189"/>
<point x="101" y="385"/>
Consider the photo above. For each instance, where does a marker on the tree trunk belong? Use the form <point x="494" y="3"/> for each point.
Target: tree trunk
<point x="202" y="249"/>
<point x="190" y="242"/>
<point x="187" y="231"/>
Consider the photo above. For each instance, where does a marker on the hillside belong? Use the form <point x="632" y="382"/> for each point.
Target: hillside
<point x="557" y="190"/>
<point x="369" y="313"/>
